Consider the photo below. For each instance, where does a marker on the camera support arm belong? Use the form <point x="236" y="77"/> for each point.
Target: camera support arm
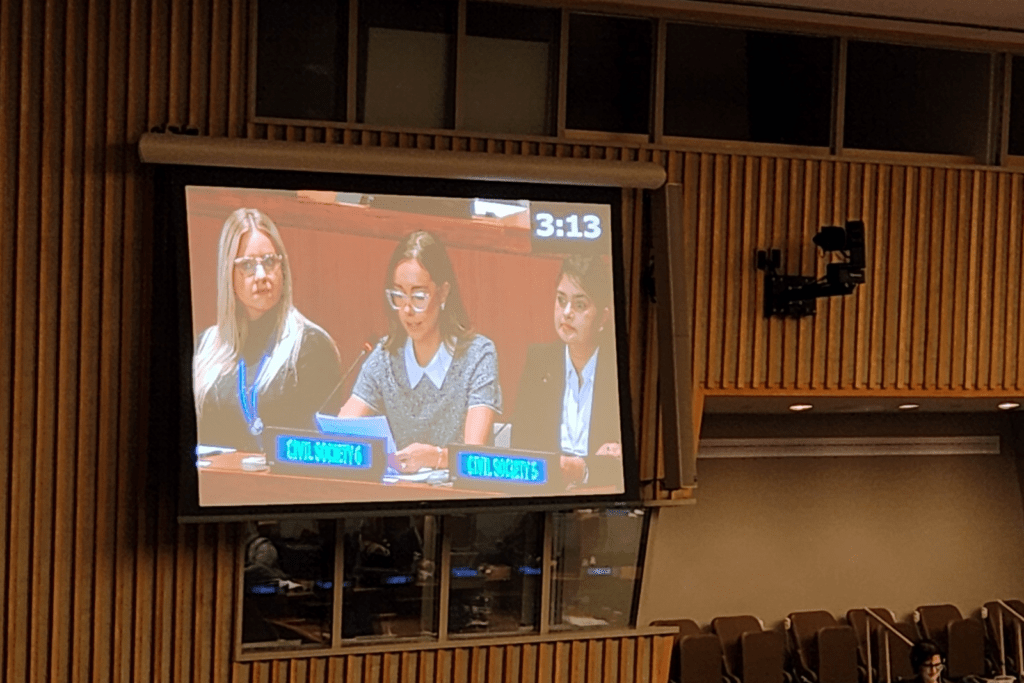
<point x="795" y="296"/>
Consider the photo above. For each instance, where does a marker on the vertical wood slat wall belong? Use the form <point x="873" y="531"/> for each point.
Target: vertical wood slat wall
<point x="98" y="580"/>
<point x="941" y="308"/>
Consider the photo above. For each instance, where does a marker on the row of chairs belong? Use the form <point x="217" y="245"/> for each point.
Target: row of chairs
<point x="814" y="647"/>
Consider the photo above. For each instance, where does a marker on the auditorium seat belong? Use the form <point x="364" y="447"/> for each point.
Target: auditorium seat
<point x="696" y="656"/>
<point x="899" y="651"/>
<point x="752" y="655"/>
<point x="1012" y="630"/>
<point x="963" y="640"/>
<point x="826" y="651"/>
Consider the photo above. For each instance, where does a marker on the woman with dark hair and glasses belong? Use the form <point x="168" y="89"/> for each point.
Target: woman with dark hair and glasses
<point x="432" y="376"/>
<point x="927" y="662"/>
<point x="568" y="395"/>
<point x="263" y="363"/>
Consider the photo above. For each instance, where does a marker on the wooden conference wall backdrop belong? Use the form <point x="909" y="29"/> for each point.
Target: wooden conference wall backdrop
<point x="101" y="583"/>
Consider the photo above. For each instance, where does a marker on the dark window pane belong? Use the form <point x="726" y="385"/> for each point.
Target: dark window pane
<point x="597" y="558"/>
<point x="916" y="99"/>
<point x="409" y="15"/>
<point x="288" y="585"/>
<point x="518" y="22"/>
<point x="747" y="85"/>
<point x="390" y="584"/>
<point x="1017" y="107"/>
<point x="706" y="82"/>
<point x="302" y="59"/>
<point x="609" y="74"/>
<point x="407" y="62"/>
<point x="496" y="572"/>
<point x="790" y="86"/>
<point x="508" y="61"/>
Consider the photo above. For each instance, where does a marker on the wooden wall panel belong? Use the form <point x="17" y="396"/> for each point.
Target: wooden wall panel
<point x="98" y="582"/>
<point x="941" y="306"/>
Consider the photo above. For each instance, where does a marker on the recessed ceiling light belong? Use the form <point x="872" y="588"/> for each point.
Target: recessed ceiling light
<point x="909" y="406"/>
<point x="1008" y="405"/>
<point x="800" y="407"/>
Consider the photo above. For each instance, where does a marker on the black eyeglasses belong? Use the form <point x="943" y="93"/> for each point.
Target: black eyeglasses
<point x="248" y="264"/>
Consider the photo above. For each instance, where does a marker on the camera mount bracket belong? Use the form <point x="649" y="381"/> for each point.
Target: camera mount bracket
<point x="793" y="296"/>
<point x="782" y="293"/>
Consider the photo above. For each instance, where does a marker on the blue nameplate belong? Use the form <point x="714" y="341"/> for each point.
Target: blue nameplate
<point x="502" y="468"/>
<point x="305" y="453"/>
<point x="301" y="450"/>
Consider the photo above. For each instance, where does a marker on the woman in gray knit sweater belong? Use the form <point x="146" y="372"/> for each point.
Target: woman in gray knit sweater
<point x="432" y="376"/>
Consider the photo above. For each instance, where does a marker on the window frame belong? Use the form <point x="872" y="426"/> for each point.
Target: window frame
<point x="544" y="631"/>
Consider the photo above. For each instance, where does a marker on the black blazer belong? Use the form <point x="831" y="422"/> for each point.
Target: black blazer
<point x="536" y="425"/>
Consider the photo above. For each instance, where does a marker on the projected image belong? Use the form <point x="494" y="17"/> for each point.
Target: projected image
<point x="360" y="348"/>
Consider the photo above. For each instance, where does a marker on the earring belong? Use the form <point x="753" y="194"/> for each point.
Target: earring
<point x="442" y="305"/>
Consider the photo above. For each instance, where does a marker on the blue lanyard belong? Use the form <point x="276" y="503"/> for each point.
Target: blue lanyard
<point x="248" y="397"/>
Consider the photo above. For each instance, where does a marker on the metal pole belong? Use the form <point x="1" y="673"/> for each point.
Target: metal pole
<point x="888" y="658"/>
<point x="1002" y="642"/>
<point x="867" y="639"/>
<point x="1020" y="647"/>
<point x="891" y="629"/>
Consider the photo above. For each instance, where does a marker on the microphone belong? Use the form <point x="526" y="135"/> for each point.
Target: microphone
<point x="367" y="348"/>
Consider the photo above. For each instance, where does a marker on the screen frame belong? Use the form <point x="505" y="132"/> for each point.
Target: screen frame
<point x="173" y="426"/>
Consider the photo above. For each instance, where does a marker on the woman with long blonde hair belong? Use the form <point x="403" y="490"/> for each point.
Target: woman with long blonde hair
<point x="263" y="363"/>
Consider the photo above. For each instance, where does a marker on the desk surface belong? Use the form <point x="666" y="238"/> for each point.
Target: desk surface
<point x="224" y="482"/>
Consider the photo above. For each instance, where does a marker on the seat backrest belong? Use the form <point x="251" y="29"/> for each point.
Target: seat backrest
<point x="837" y="655"/>
<point x="729" y="631"/>
<point x="857" y="619"/>
<point x="994" y="611"/>
<point x="763" y="655"/>
<point x="966" y="654"/>
<point x="700" y="659"/>
<point x="1011" y="633"/>
<point x="899" y="652"/>
<point x="935" y="619"/>
<point x="686" y="627"/>
<point x="804" y="627"/>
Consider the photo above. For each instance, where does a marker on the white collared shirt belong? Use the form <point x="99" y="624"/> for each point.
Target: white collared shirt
<point x="576" y="406"/>
<point x="436" y="369"/>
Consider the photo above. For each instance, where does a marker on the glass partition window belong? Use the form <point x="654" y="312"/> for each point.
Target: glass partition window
<point x="390" y="584"/>
<point x="495" y="572"/>
<point x="597" y="557"/>
<point x="335" y="584"/>
<point x="288" y="585"/>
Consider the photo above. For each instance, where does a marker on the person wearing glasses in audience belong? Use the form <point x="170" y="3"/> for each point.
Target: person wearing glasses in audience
<point x="263" y="363"/>
<point x="434" y="378"/>
<point x="927" y="661"/>
<point x="568" y="395"/>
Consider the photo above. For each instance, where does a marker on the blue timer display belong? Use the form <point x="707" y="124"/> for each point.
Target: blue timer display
<point x="571" y="226"/>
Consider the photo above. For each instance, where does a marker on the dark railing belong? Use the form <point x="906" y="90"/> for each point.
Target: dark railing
<point x="888" y="628"/>
<point x="1018" y="619"/>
